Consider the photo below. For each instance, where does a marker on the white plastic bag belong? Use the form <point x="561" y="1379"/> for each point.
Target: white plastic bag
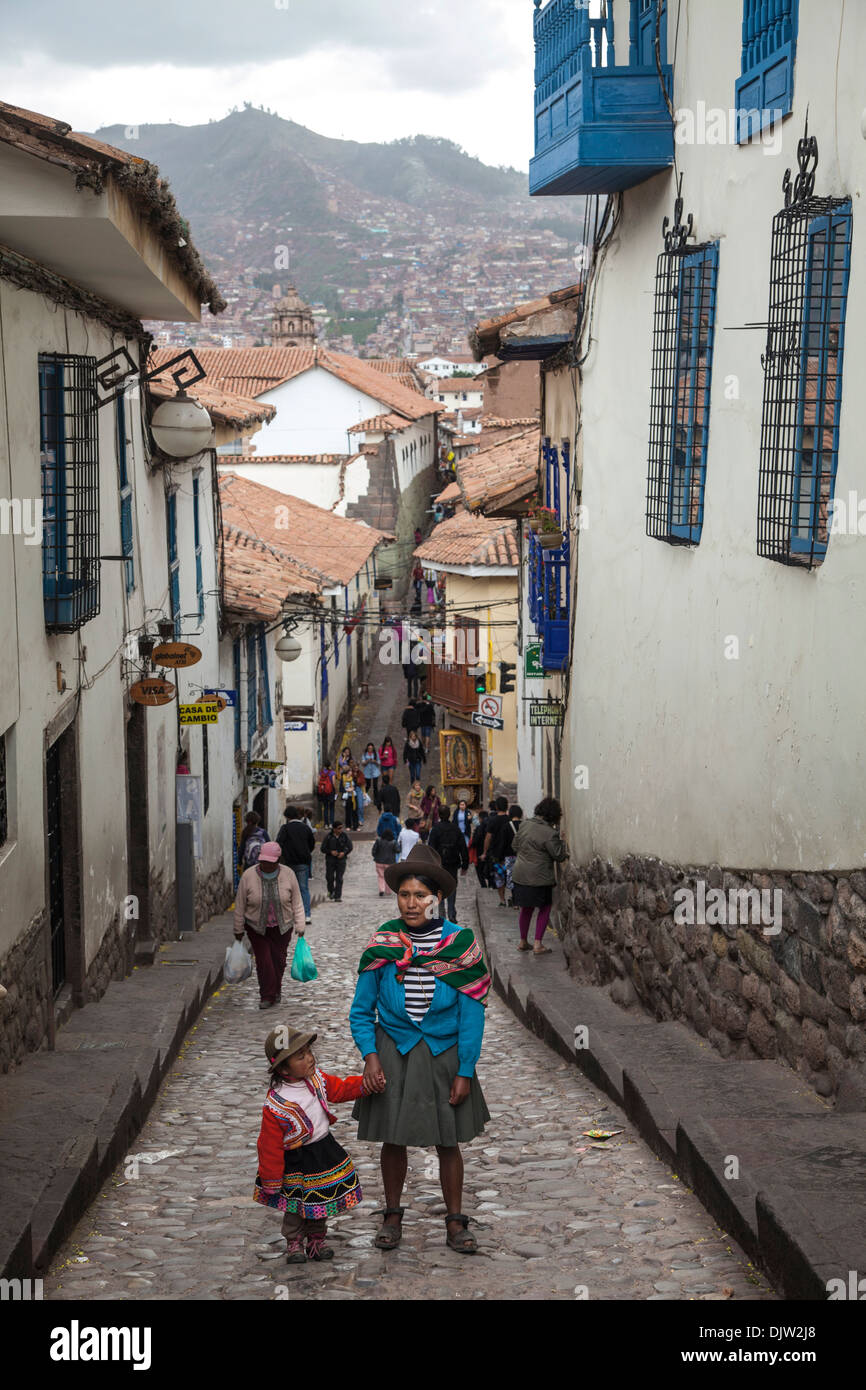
<point x="238" y="964"/>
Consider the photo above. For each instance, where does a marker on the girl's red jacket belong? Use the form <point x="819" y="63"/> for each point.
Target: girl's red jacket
<point x="285" y="1125"/>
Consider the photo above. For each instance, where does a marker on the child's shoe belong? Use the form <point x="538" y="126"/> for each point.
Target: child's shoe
<point x="295" y="1252"/>
<point x="317" y="1249"/>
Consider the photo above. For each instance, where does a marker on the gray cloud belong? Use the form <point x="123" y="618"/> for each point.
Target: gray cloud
<point x="439" y="46"/>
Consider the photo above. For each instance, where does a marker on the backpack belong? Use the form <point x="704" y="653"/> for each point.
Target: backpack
<point x="253" y="847"/>
<point x="325" y="785"/>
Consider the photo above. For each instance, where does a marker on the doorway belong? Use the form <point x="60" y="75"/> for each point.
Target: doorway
<point x="137" y="820"/>
<point x="63" y="866"/>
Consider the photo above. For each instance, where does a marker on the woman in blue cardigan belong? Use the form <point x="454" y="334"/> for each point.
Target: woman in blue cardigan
<point x="418" y="1019"/>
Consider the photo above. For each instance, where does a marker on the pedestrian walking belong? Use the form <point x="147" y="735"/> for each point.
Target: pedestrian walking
<point x="408" y="838"/>
<point x="336" y="848"/>
<point x="476" y="850"/>
<point x="497" y="846"/>
<point x="463" y="817"/>
<point x="538" y="847"/>
<point x="360" y="794"/>
<point x="414" y="756"/>
<point x="418" y="1021"/>
<point x="297" y="842"/>
<point x="389" y="796"/>
<point x="430" y="580"/>
<point x="387" y="821"/>
<point x="326" y="788"/>
<point x="418" y="535"/>
<point x="413" y="801"/>
<point x="410" y="720"/>
<point x="447" y="839"/>
<point x="412" y="672"/>
<point x="372" y="772"/>
<point x="387" y="755"/>
<point x="515" y="815"/>
<point x="251" y="841"/>
<point x="303" y="1171"/>
<point x="348" y="796"/>
<point x="417" y="581"/>
<point x="269" y="907"/>
<point x="426" y="720"/>
<point x="430" y="806"/>
<point x="384" y="853"/>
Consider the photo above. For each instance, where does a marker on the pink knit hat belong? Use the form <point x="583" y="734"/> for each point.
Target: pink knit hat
<point x="271" y="852"/>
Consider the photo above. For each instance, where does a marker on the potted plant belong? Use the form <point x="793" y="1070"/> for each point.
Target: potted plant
<point x="549" y="531"/>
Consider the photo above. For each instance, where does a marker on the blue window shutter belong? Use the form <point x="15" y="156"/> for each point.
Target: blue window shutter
<point x="252" y="689"/>
<point x="267" y="717"/>
<point x="199" y="585"/>
<point x="236" y="662"/>
<point x="173" y="561"/>
<point x="765" y="89"/>
<point x="126" y="543"/>
<point x="816" y="455"/>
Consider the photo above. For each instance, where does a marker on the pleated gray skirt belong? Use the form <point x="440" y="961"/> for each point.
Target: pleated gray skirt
<point x="413" y="1109"/>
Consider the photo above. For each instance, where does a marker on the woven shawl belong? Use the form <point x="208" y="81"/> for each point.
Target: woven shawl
<point x="457" y="960"/>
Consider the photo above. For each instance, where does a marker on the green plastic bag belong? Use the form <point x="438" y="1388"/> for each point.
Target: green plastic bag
<point x="303" y="965"/>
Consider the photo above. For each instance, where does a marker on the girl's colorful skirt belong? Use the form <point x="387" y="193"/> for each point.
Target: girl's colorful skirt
<point x="319" y="1181"/>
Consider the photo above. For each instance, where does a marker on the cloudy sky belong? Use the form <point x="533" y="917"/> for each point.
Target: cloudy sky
<point x="363" y="69"/>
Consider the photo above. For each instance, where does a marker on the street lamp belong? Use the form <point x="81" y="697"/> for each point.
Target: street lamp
<point x="288" y="648"/>
<point x="181" y="427"/>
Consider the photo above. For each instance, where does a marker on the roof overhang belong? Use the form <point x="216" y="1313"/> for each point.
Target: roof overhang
<point x="474" y="571"/>
<point x="96" y="240"/>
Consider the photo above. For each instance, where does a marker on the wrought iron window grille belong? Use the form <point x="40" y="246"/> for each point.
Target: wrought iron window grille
<point x="809" y="273"/>
<point x="69" y="459"/>
<point x="682" y="356"/>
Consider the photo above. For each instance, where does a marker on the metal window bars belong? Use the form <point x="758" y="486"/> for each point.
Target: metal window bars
<point x="683" y="333"/>
<point x="69" y="459"/>
<point x="809" y="273"/>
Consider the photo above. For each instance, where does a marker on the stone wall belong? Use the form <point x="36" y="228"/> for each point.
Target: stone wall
<point x="213" y="894"/>
<point x="26" y="1007"/>
<point x="113" y="960"/>
<point x="790" y="986"/>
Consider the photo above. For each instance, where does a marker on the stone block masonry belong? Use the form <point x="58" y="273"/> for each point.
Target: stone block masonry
<point x="26" y="1007"/>
<point x="789" y="987"/>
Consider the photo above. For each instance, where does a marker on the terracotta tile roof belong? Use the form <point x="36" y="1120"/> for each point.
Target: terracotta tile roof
<point x="503" y="474"/>
<point x="327" y="548"/>
<point x="289" y="458"/>
<point x="258" y="578"/>
<point x="495" y="422"/>
<point x="484" y="338"/>
<point x="471" y="540"/>
<point x="388" y="424"/>
<point x="237" y="411"/>
<point x="449" y="494"/>
<point x="403" y="369"/>
<point x="252" y="371"/>
<point x="97" y="165"/>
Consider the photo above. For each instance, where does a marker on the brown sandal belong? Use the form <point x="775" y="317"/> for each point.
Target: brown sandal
<point x="523" y="946"/>
<point x="463" y="1242"/>
<point x="389" y="1237"/>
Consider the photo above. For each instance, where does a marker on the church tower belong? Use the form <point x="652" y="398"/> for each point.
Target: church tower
<point x="293" y="324"/>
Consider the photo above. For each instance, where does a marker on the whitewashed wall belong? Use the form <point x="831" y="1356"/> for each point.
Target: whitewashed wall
<point x="693" y="757"/>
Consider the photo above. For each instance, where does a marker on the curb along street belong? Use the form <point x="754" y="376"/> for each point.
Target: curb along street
<point x="761" y="1151"/>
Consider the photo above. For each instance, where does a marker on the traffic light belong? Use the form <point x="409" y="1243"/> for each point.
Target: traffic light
<point x="506" y="677"/>
<point x="481" y="683"/>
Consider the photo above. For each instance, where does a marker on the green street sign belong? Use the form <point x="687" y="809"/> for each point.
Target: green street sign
<point x="532" y="668"/>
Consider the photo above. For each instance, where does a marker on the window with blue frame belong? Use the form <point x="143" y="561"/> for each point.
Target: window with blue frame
<point x="810" y="269"/>
<point x="335" y="631"/>
<point x="549" y="591"/>
<point x="765" y="88"/>
<point x="252" y="689"/>
<point x="199" y="585"/>
<point x="683" y="334"/>
<point x="173" y="560"/>
<point x="348" y="633"/>
<point x="125" y="493"/>
<point x="69" y="463"/>
<point x="266" y="715"/>
<point x="236" y="664"/>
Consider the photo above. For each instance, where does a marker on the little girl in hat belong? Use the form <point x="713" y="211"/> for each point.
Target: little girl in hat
<point x="303" y="1171"/>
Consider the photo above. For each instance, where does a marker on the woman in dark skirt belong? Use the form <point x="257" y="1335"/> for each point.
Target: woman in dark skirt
<point x="536" y="847"/>
<point x="418" y="1019"/>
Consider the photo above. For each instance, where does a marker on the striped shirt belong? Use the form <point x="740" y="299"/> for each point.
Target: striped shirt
<point x="418" y="982"/>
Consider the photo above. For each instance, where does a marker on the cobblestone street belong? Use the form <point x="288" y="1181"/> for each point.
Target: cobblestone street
<point x="558" y="1218"/>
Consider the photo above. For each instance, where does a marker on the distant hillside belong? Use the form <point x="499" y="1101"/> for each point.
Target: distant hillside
<point x="348" y="211"/>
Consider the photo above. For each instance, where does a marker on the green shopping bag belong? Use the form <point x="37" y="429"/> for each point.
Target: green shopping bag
<point x="303" y="965"/>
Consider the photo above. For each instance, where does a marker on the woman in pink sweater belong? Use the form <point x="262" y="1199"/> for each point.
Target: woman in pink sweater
<point x="268" y="907"/>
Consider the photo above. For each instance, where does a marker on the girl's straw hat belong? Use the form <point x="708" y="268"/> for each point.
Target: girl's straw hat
<point x="282" y="1042"/>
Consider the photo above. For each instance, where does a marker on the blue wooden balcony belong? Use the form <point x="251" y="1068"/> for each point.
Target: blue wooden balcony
<point x="550" y="602"/>
<point x="599" y="127"/>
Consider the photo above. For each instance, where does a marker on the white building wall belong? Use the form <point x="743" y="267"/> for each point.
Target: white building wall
<point x="693" y="757"/>
<point x="318" y="483"/>
<point x="315" y="411"/>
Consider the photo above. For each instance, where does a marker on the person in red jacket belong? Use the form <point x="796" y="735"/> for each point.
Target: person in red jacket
<point x="303" y="1171"/>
